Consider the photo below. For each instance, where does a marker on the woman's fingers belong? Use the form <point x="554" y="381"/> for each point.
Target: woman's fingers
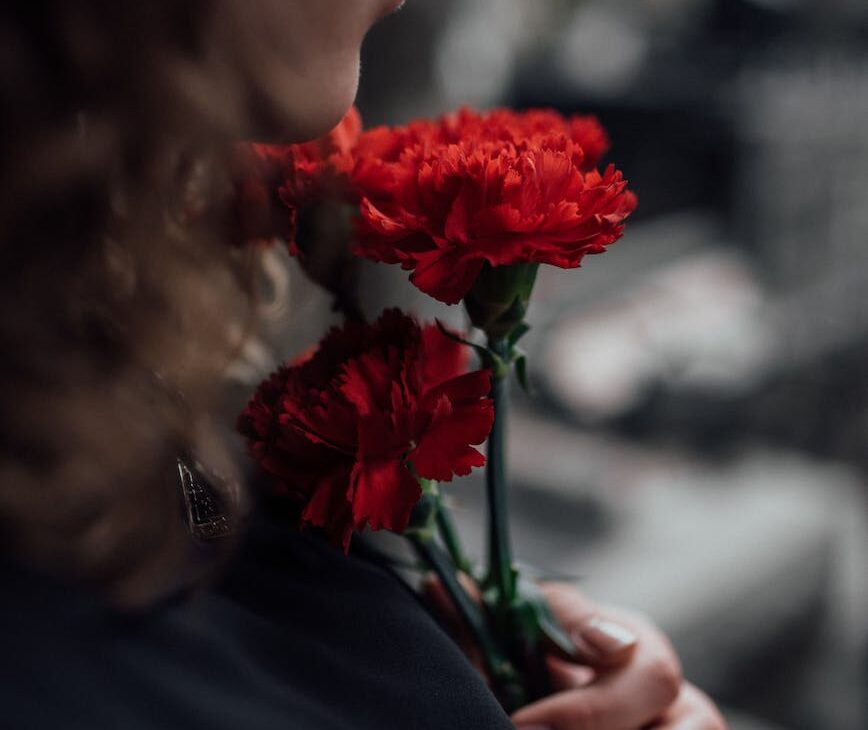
<point x="602" y="639"/>
<point x="693" y="710"/>
<point x="568" y="604"/>
<point x="637" y="675"/>
<point x="625" y="676"/>
<point x="625" y="699"/>
<point x="566" y="675"/>
<point x="603" y="643"/>
<point x="599" y="641"/>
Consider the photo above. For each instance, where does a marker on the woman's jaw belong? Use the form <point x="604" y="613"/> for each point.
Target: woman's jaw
<point x="302" y="62"/>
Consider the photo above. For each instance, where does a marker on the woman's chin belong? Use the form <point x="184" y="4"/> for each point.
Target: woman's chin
<point x="278" y="118"/>
<point x="325" y="117"/>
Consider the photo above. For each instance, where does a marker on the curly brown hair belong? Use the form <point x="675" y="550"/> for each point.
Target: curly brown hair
<point x="118" y="286"/>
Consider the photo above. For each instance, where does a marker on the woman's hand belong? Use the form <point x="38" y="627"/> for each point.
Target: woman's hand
<point x="627" y="676"/>
<point x="692" y="710"/>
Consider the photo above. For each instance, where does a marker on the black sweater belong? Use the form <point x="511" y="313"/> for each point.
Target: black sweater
<point x="298" y="635"/>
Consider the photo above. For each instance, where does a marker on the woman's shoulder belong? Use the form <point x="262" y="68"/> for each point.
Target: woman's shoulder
<point x="297" y="634"/>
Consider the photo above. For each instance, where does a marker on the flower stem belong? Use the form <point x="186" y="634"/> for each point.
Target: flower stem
<point x="501" y="572"/>
<point x="449" y="535"/>
<point x="471" y="614"/>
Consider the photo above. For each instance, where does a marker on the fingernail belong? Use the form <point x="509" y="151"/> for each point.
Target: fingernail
<point x="605" y="636"/>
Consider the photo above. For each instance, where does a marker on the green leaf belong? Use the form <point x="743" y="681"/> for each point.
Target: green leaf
<point x="452" y="335"/>
<point x="555" y="633"/>
<point x="519" y="331"/>
<point x="489" y="359"/>
<point x="546" y="620"/>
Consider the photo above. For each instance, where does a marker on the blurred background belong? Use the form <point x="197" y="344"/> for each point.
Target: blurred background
<point x="696" y="443"/>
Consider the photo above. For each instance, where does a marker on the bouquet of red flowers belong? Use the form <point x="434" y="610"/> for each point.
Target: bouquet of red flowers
<point x="363" y="430"/>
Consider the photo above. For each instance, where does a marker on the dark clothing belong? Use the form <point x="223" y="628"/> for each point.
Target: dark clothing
<point x="297" y="636"/>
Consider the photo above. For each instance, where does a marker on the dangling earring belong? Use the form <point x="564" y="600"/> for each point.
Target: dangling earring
<point x="209" y="509"/>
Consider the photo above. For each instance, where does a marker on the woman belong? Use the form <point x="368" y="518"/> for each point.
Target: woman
<point x="123" y="303"/>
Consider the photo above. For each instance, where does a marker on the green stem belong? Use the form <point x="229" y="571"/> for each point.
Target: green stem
<point x="470" y="613"/>
<point x="500" y="563"/>
<point x="450" y="538"/>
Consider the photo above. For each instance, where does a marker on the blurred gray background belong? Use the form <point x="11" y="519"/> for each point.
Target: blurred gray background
<point x="696" y="444"/>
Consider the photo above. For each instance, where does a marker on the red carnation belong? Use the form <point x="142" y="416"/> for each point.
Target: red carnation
<point x="381" y="152"/>
<point x="274" y="181"/>
<point x="495" y="200"/>
<point x="528" y="128"/>
<point x="321" y="169"/>
<point x="348" y="429"/>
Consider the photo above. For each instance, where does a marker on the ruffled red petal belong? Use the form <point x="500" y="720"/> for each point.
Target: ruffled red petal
<point x="337" y="429"/>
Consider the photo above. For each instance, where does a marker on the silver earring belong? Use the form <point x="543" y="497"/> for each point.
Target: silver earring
<point x="208" y="508"/>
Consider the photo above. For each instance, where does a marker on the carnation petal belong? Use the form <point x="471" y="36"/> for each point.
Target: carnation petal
<point x="460" y="415"/>
<point x="443" y="357"/>
<point x="444" y="451"/>
<point x="329" y="506"/>
<point x="366" y="383"/>
<point x="445" y="276"/>
<point x="384" y="495"/>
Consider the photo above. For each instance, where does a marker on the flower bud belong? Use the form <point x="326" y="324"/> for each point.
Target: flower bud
<point x="498" y="300"/>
